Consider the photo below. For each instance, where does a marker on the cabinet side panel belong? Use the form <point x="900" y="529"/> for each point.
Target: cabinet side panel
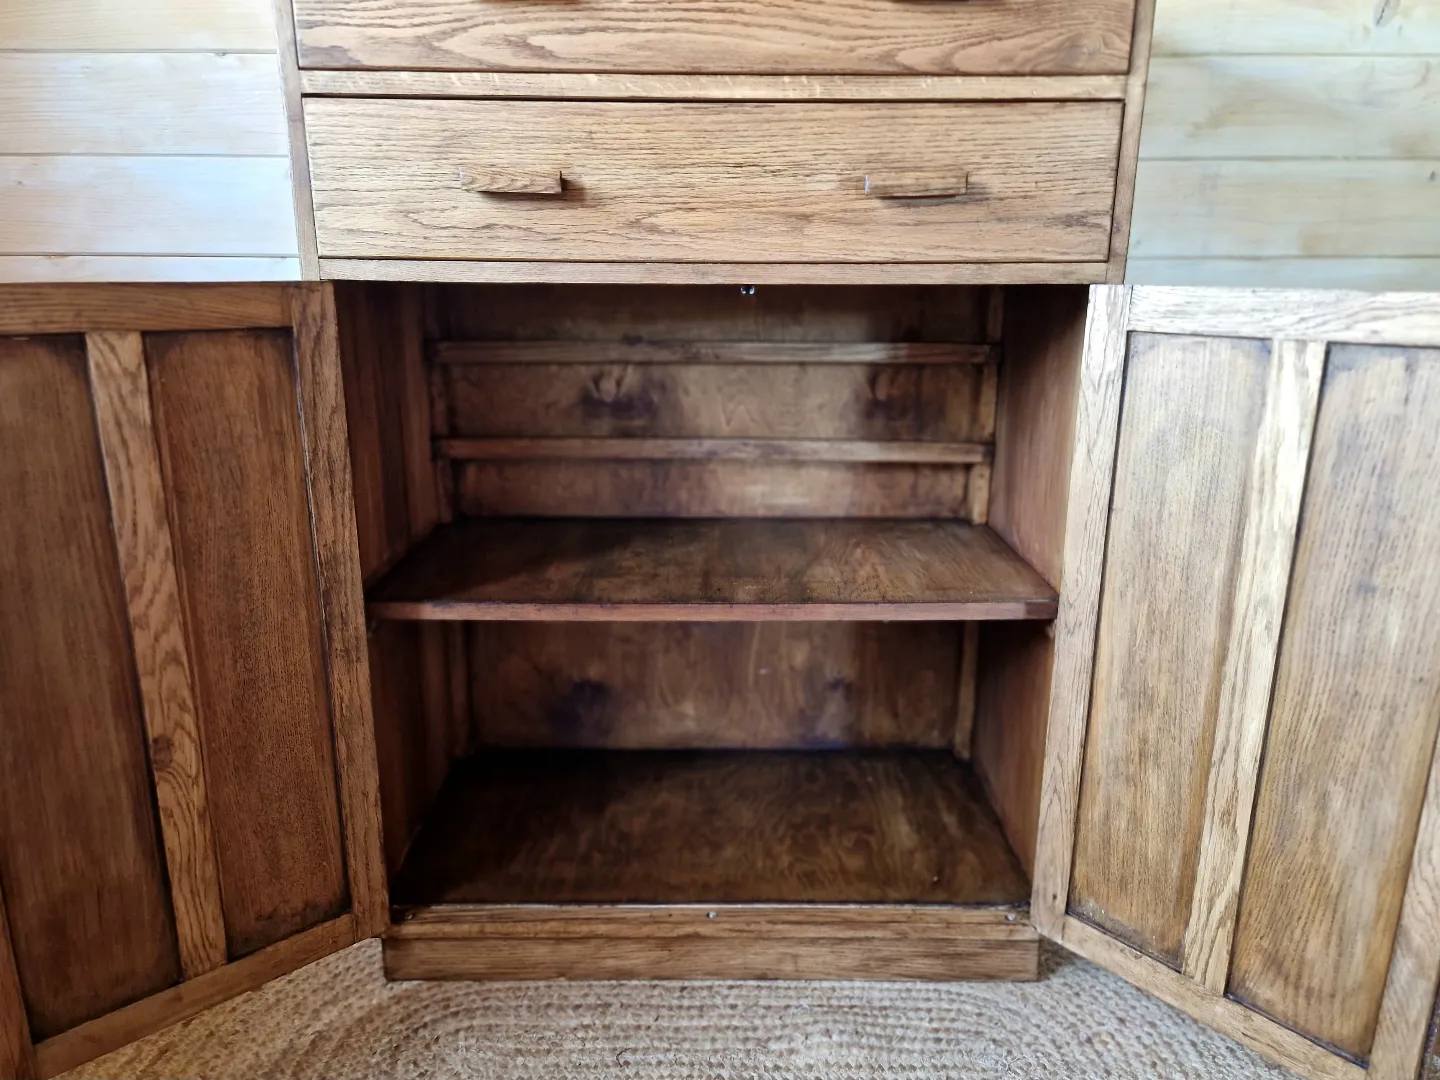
<point x="1181" y="480"/>
<point x="226" y="421"/>
<point x="80" y="861"/>
<point x="1356" y="706"/>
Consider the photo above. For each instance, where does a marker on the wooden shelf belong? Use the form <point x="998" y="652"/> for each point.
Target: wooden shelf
<point x="557" y="827"/>
<point x="753" y="570"/>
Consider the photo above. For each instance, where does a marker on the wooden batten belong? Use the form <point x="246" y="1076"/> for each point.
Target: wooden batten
<point x="121" y="391"/>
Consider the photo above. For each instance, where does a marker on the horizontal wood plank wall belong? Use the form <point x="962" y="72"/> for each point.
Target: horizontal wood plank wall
<point x="143" y="142"/>
<point x="1291" y="143"/>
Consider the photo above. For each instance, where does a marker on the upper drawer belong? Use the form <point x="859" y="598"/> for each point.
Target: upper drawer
<point x="836" y="37"/>
<point x="714" y="182"/>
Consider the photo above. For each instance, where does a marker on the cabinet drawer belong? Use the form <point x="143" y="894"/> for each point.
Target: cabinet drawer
<point x="940" y="37"/>
<point x="609" y="181"/>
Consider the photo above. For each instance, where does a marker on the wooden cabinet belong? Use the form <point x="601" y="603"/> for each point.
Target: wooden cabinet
<point x="799" y="632"/>
<point x="188" y="796"/>
<point x="1242" y="804"/>
<point x="942" y="142"/>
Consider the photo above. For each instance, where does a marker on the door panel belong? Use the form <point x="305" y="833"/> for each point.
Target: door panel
<point x="188" y="801"/>
<point x="1180" y="475"/>
<point x="1241" y="804"/>
<point x="1356" y="706"/>
<point x="80" y="862"/>
<point x="230" y="447"/>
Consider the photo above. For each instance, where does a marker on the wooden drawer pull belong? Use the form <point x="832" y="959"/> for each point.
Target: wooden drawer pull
<point x="492" y="181"/>
<point x="915" y="185"/>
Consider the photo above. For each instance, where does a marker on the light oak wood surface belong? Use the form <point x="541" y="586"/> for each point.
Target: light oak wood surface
<point x="712" y="570"/>
<point x="174" y="25"/>
<point x="712" y="182"/>
<point x="1179" y="473"/>
<point x="806" y="36"/>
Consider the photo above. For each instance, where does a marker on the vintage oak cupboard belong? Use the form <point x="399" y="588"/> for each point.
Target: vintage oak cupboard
<point x="539" y="600"/>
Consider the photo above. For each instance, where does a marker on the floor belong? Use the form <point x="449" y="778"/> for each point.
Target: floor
<point x="339" y="1020"/>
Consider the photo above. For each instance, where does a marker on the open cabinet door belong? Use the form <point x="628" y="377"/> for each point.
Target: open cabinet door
<point x="1241" y="805"/>
<point x="187" y="770"/>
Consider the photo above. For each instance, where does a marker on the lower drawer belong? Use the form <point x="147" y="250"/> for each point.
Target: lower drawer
<point x="713" y="182"/>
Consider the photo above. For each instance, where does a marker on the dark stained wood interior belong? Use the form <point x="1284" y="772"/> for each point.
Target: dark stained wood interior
<point x="721" y="570"/>
<point x="585" y="826"/>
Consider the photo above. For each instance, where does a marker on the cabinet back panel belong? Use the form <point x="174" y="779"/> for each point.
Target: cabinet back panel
<point x="1356" y="706"/>
<point x="230" y="448"/>
<point x="657" y="686"/>
<point x="80" y="861"/>
<point x="1180" y="485"/>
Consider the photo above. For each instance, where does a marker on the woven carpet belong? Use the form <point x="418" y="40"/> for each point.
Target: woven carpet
<point x="339" y="1020"/>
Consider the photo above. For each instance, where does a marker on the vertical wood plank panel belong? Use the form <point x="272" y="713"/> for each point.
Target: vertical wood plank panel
<point x="1277" y="481"/>
<point x="147" y="564"/>
<point x="17" y="1055"/>
<point x="337" y="555"/>
<point x="1356" y="706"/>
<point x="1400" y="1035"/>
<point x="1097" y="420"/>
<point x="80" y="861"/>
<point x="230" y="446"/>
<point x="1181" y="473"/>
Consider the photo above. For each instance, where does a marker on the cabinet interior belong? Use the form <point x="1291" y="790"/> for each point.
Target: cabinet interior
<point x="707" y="594"/>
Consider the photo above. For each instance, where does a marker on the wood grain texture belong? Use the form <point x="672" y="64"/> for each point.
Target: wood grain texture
<point x="1301" y="27"/>
<point x="637" y="320"/>
<point x="714" y="273"/>
<point x="712" y="571"/>
<point x="1355" y="713"/>
<point x="1262" y="581"/>
<point x="807" y="36"/>
<point x="924" y="402"/>
<point x="200" y="25"/>
<point x="17" y="1055"/>
<point x="711" y="942"/>
<point x="633" y="827"/>
<point x="1127" y="171"/>
<point x="547" y="448"/>
<point x="1356" y="317"/>
<point x="712" y="489"/>
<point x="84" y="308"/>
<point x="233" y="463"/>
<point x="725" y="686"/>
<point x="1097" y="419"/>
<point x="1402" y="1030"/>
<point x="1293" y="106"/>
<point x="1165" y="613"/>
<point x="1234" y="208"/>
<point x="1273" y="1041"/>
<point x="110" y="1032"/>
<point x="637" y="350"/>
<point x="145" y="205"/>
<point x="121" y="392"/>
<point x="577" y="86"/>
<point x="301" y="197"/>
<point x="140" y="103"/>
<point x="77" y="828"/>
<point x="64" y="269"/>
<point x="337" y="566"/>
<point x="712" y="182"/>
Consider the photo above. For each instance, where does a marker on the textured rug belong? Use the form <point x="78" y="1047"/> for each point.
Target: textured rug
<point x="339" y="1020"/>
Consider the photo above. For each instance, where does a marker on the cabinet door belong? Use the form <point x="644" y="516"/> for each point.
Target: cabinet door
<point x="187" y="774"/>
<point x="1241" y="803"/>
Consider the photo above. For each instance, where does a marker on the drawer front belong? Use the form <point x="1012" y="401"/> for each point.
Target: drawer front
<point x="640" y="182"/>
<point x="940" y="37"/>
